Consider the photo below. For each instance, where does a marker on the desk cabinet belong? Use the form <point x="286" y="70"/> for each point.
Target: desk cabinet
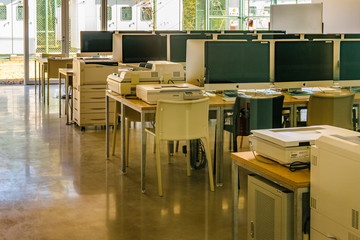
<point x="89" y="106"/>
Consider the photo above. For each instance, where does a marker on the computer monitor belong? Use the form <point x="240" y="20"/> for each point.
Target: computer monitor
<point x="248" y="37"/>
<point x="97" y="42"/>
<point x="178" y="45"/>
<point x="232" y="65"/>
<point x="142" y="48"/>
<point x="303" y="64"/>
<point x="280" y="36"/>
<point x="349" y="63"/>
<point x="322" y="36"/>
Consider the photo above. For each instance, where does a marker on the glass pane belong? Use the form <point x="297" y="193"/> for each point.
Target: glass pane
<point x="126" y="14"/>
<point x="109" y="13"/>
<point x="3" y="13"/>
<point x="20" y="13"/>
<point x="84" y="16"/>
<point x="146" y="13"/>
<point x="48" y="26"/>
<point x="11" y="42"/>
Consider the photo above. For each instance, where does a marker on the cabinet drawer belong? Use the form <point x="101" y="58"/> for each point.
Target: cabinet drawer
<point x="92" y="119"/>
<point x="93" y="107"/>
<point x="96" y="96"/>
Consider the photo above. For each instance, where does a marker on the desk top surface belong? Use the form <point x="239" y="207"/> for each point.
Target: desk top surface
<point x="215" y="101"/>
<point x="66" y="71"/>
<point x="139" y="105"/>
<point x="274" y="172"/>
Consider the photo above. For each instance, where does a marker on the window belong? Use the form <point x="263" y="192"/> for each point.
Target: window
<point x="3" y="13"/>
<point x="252" y="11"/>
<point x="109" y="13"/>
<point x="146" y="14"/>
<point x="126" y="14"/>
<point x="20" y="13"/>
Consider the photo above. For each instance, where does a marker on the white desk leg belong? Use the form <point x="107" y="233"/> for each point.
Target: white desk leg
<point x="235" y="185"/>
<point x="122" y="136"/>
<point x="35" y="75"/>
<point x="40" y="83"/>
<point x="60" y="95"/>
<point x="67" y="99"/>
<point x="219" y="145"/>
<point x="43" y="81"/>
<point x="107" y="125"/>
<point x="143" y="151"/>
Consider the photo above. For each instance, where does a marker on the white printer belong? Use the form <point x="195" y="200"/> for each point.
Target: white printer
<point x="335" y="188"/>
<point x="124" y="82"/>
<point x="92" y="71"/>
<point x="154" y="92"/>
<point x="288" y="145"/>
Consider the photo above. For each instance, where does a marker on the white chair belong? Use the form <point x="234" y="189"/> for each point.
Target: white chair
<point x="182" y="120"/>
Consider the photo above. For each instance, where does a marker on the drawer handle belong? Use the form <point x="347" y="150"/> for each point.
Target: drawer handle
<point x="98" y="108"/>
<point x="99" y="119"/>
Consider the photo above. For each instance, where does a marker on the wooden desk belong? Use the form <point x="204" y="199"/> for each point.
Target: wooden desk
<point x="216" y="104"/>
<point x="298" y="182"/>
<point x="67" y="73"/>
<point x="42" y="62"/>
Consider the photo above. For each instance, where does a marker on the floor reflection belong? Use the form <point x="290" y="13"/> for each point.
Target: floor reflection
<point x="55" y="182"/>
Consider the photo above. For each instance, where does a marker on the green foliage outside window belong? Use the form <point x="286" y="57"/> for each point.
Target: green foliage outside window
<point x="3" y="13"/>
<point x="20" y="13"/>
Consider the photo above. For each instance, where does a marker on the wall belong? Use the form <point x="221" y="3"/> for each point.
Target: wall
<point x="341" y="16"/>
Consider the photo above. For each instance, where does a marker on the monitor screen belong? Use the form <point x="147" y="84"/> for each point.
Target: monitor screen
<point x="350" y="60"/>
<point x="248" y="37"/>
<point x="143" y="48"/>
<point x="96" y="41"/>
<point x="178" y="45"/>
<point x="303" y="61"/>
<point x="237" y="64"/>
<point x="281" y="36"/>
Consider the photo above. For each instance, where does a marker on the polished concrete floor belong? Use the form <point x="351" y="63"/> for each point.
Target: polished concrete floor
<point x="56" y="183"/>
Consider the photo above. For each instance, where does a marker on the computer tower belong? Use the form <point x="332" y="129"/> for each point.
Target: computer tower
<point x="270" y="210"/>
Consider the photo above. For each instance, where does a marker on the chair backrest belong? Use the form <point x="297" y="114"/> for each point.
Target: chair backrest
<point x="182" y="120"/>
<point x="46" y="55"/>
<point x="54" y="64"/>
<point x="257" y="113"/>
<point x="333" y="109"/>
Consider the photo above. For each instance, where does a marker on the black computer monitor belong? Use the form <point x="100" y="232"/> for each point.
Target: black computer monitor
<point x="96" y="41"/>
<point x="143" y="48"/>
<point x="178" y="45"/>
<point x="280" y="36"/>
<point x="231" y="65"/>
<point x="248" y="37"/>
<point x="303" y="64"/>
<point x="349" y="63"/>
<point x="322" y="36"/>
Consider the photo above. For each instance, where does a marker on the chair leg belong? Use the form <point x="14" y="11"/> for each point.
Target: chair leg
<point x="115" y="125"/>
<point x="241" y="141"/>
<point x="170" y="150"/>
<point x="48" y="90"/>
<point x="210" y="165"/>
<point x="230" y="141"/>
<point x="177" y="146"/>
<point x="127" y="128"/>
<point x="188" y="168"/>
<point x="158" y="169"/>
